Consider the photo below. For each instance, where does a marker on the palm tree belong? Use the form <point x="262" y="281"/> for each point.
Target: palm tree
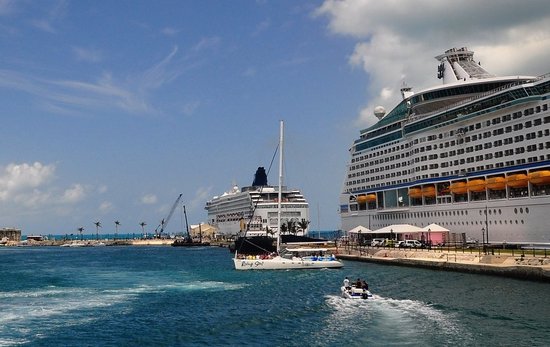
<point x="117" y="223"/>
<point x="303" y="224"/>
<point x="292" y="227"/>
<point x="143" y="224"/>
<point x="97" y="226"/>
<point x="284" y="229"/>
<point x="81" y="229"/>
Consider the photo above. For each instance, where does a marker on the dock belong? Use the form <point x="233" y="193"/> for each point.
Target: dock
<point x="521" y="264"/>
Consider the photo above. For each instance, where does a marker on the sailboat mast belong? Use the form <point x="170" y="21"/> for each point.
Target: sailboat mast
<point x="280" y="196"/>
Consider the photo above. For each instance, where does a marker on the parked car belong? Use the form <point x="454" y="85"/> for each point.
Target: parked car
<point x="411" y="244"/>
<point x="378" y="242"/>
<point x="399" y="244"/>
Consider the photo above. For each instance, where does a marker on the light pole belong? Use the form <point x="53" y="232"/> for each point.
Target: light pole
<point x="483" y="238"/>
<point x="429" y="239"/>
<point x="359" y="241"/>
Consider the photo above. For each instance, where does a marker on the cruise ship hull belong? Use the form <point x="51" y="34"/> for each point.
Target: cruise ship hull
<point x="472" y="156"/>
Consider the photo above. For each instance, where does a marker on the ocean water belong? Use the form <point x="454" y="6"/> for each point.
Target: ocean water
<point x="169" y="296"/>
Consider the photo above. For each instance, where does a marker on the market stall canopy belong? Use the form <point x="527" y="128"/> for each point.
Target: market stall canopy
<point x="359" y="229"/>
<point x="399" y="229"/>
<point x="435" y="228"/>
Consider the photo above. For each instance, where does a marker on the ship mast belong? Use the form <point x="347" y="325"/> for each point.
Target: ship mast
<point x="280" y="196"/>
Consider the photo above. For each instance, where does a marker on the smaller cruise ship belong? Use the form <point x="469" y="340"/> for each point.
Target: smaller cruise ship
<point x="254" y="209"/>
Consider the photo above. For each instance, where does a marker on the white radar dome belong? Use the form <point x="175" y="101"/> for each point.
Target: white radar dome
<point x="379" y="112"/>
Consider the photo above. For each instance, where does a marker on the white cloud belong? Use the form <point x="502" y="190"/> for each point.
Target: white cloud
<point x="397" y="43"/>
<point x="89" y="55"/>
<point x="17" y="178"/>
<point x="168" y="31"/>
<point x="106" y="206"/>
<point x="74" y="194"/>
<point x="189" y="108"/>
<point x="261" y="27"/>
<point x="149" y="199"/>
<point x="207" y="43"/>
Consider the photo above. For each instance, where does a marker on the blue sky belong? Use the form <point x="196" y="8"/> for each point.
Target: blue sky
<point x="110" y="109"/>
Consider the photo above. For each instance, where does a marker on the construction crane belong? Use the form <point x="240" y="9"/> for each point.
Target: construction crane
<point x="160" y="228"/>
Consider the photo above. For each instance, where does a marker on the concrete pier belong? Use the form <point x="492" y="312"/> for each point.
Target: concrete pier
<point x="521" y="266"/>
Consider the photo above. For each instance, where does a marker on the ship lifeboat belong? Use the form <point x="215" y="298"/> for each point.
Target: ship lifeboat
<point x="362" y="199"/>
<point x="459" y="187"/>
<point x="477" y="185"/>
<point x="496" y="183"/>
<point x="517" y="180"/>
<point x="371" y="197"/>
<point x="428" y="191"/>
<point x="540" y="177"/>
<point x="415" y="193"/>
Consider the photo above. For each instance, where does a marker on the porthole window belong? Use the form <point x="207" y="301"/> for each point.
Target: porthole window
<point x="505" y="222"/>
<point x="480" y="212"/>
<point x="490" y="212"/>
<point x="495" y="212"/>
<point x="516" y="221"/>
<point x="515" y="210"/>
<point x="499" y="211"/>
<point x="522" y="222"/>
<point x="521" y="210"/>
<point x="527" y="210"/>
<point x="466" y="212"/>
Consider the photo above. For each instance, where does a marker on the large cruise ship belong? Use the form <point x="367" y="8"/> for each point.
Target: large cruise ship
<point x="471" y="155"/>
<point x="254" y="209"/>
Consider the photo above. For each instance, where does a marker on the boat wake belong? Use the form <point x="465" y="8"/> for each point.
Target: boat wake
<point x="55" y="308"/>
<point x="399" y="321"/>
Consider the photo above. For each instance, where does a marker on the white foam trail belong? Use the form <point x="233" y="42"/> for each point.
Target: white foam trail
<point x="25" y="308"/>
<point x="385" y="314"/>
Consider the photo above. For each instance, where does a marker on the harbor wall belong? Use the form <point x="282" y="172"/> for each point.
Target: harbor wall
<point x="520" y="267"/>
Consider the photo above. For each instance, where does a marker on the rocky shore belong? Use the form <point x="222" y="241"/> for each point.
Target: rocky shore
<point x="521" y="266"/>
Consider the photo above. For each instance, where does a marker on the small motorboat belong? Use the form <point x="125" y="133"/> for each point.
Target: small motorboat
<point x="354" y="292"/>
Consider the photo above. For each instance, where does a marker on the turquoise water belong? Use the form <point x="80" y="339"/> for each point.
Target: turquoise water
<point x="168" y="296"/>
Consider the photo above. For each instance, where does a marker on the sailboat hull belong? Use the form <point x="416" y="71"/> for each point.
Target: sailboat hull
<point x="280" y="263"/>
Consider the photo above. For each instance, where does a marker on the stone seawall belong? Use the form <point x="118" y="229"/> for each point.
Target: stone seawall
<point x="527" y="268"/>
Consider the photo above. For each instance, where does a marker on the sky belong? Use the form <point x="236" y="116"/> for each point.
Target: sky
<point x="110" y="109"/>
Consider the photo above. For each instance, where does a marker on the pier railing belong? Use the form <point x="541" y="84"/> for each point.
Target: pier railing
<point x="501" y="250"/>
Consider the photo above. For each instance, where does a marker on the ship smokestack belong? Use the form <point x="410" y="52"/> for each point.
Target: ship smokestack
<point x="260" y="178"/>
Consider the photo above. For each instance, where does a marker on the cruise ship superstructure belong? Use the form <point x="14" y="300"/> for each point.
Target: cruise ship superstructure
<point x="254" y="209"/>
<point x="471" y="155"/>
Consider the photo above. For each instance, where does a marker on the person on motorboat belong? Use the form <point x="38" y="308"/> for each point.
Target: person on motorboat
<point x="346" y="283"/>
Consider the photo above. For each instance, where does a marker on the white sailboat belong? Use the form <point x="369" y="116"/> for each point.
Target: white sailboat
<point x="287" y="258"/>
